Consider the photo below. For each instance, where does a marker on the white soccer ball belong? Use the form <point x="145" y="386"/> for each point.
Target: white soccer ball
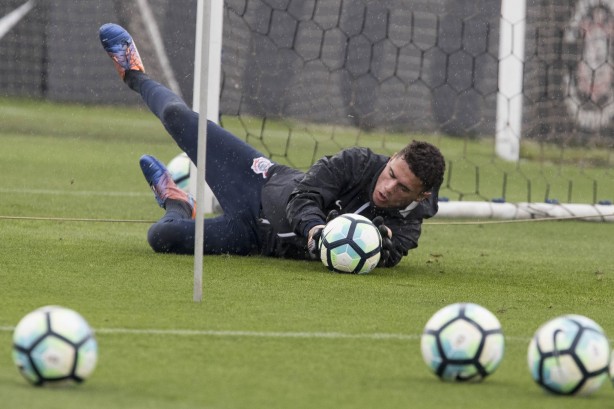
<point x="54" y="345"/>
<point x="350" y="243"/>
<point x="569" y="355"/>
<point x="179" y="168"/>
<point x="463" y="342"/>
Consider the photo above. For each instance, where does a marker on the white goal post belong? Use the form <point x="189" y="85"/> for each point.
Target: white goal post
<point x="511" y="65"/>
<point x="524" y="211"/>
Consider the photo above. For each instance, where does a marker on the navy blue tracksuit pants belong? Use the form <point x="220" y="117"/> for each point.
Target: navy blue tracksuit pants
<point x="228" y="171"/>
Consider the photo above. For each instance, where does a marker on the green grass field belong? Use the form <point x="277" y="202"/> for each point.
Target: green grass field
<point x="269" y="333"/>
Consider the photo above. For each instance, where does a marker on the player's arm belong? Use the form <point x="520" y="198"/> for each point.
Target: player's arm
<point x="315" y="233"/>
<point x="323" y="183"/>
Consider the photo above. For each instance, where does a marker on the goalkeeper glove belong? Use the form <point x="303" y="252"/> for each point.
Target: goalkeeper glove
<point x="389" y="253"/>
<point x="315" y="234"/>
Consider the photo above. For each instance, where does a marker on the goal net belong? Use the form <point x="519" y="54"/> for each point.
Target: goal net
<point x="302" y="79"/>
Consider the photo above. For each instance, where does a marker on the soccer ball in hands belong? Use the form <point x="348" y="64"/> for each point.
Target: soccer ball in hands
<point x="179" y="168"/>
<point x="463" y="342"/>
<point x="54" y="345"/>
<point x="350" y="243"/>
<point x="569" y="355"/>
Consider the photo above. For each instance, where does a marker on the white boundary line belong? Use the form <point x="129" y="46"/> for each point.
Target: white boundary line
<point x="260" y="334"/>
<point x="377" y="336"/>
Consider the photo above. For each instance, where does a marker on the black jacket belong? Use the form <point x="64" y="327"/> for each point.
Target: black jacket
<point x="293" y="202"/>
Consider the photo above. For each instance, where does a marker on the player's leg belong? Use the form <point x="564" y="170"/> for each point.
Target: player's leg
<point x="234" y="169"/>
<point x="164" y="188"/>
<point x="231" y="171"/>
<point x="235" y="233"/>
<point x="223" y="235"/>
<point x="118" y="43"/>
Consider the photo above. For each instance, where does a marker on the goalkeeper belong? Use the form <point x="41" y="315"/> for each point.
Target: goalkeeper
<point x="268" y="208"/>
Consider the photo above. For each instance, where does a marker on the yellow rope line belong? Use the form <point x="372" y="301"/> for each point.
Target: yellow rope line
<point x="74" y="219"/>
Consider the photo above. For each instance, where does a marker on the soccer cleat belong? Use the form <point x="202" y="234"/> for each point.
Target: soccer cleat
<point x="118" y="43"/>
<point x="161" y="182"/>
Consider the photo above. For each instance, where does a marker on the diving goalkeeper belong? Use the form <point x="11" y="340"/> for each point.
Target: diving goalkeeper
<point x="268" y="208"/>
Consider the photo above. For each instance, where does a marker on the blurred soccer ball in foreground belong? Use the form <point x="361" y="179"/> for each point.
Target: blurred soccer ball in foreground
<point x="179" y="168"/>
<point x="569" y="355"/>
<point x="54" y="345"/>
<point x="463" y="342"/>
<point x="350" y="243"/>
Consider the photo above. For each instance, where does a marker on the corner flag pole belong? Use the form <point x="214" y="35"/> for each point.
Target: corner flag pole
<point x="201" y="95"/>
<point x="201" y="74"/>
<point x="207" y="74"/>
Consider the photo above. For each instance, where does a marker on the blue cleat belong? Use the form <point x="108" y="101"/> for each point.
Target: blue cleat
<point x="161" y="182"/>
<point x="118" y="43"/>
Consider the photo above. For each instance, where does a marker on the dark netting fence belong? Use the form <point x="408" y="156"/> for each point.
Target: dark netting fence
<point x="302" y="78"/>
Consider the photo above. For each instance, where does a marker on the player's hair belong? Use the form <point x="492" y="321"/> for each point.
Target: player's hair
<point x="426" y="162"/>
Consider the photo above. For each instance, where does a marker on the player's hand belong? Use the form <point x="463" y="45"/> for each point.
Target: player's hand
<point x="383" y="229"/>
<point x="313" y="240"/>
<point x="315" y="234"/>
<point x="389" y="252"/>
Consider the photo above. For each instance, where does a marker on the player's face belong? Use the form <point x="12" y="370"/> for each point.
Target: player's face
<point x="397" y="186"/>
